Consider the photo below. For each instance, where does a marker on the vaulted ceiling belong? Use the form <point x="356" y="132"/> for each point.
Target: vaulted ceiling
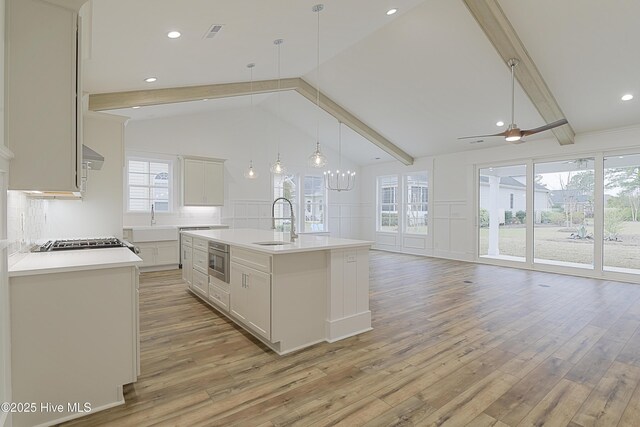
<point x="421" y="78"/>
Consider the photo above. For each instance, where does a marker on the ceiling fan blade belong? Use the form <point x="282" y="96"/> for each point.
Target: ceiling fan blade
<point x="484" y="136"/>
<point x="545" y="127"/>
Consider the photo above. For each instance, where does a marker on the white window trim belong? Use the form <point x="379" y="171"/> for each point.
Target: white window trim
<point x="172" y="182"/>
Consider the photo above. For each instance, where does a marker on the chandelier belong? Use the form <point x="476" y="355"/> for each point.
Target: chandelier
<point x="339" y="180"/>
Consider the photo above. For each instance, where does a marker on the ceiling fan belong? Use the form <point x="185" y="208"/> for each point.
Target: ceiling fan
<point x="514" y="134"/>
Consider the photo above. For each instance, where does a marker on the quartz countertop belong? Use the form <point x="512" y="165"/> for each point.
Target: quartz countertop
<point x="72" y="260"/>
<point x="151" y="227"/>
<point x="247" y="238"/>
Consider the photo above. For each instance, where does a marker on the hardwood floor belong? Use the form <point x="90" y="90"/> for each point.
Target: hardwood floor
<point x="453" y="344"/>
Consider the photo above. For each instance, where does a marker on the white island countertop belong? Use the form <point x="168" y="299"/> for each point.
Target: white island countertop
<point x="248" y="238"/>
<point x="172" y="227"/>
<point x="72" y="260"/>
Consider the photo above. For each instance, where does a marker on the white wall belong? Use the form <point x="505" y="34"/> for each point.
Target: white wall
<point x="453" y="186"/>
<point x="238" y="135"/>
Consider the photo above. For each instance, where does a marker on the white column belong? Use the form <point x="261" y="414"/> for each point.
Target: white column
<point x="494" y="215"/>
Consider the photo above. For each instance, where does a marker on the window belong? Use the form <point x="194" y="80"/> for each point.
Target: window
<point x="149" y="183"/>
<point x="310" y="211"/>
<point x="284" y="186"/>
<point x="511" y="201"/>
<point x="387" y="203"/>
<point x="416" y="203"/>
<point x="314" y="199"/>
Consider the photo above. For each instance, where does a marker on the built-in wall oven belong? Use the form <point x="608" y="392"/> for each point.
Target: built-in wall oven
<point x="219" y="261"/>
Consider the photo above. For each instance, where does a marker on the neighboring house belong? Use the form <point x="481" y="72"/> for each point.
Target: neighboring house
<point x="513" y="196"/>
<point x="573" y="200"/>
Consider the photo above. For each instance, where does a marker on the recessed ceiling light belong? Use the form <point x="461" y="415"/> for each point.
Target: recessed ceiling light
<point x="500" y="123"/>
<point x="136" y="107"/>
<point x="627" y="97"/>
<point x="391" y="11"/>
<point x="150" y="79"/>
<point x="173" y="34"/>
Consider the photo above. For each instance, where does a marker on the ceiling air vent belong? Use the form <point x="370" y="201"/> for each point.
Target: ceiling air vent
<point x="211" y="33"/>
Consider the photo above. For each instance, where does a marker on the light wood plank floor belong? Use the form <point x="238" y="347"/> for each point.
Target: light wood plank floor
<point x="453" y="344"/>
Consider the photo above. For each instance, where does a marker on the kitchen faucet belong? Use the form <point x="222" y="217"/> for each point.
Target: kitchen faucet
<point x="153" y="215"/>
<point x="293" y="235"/>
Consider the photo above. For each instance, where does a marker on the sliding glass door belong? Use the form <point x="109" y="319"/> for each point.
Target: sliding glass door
<point x="502" y="215"/>
<point x="563" y="230"/>
<point x="622" y="213"/>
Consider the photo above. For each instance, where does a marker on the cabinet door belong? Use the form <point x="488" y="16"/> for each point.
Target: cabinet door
<point x="200" y="283"/>
<point x="238" y="300"/>
<point x="167" y="253"/>
<point x="193" y="182"/>
<point x="147" y="253"/>
<point x="42" y="109"/>
<point x="187" y="263"/>
<point x="214" y="183"/>
<point x="259" y="293"/>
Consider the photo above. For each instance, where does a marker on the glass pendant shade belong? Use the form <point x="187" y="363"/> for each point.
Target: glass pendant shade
<point x="317" y="159"/>
<point x="250" y="173"/>
<point x="278" y="168"/>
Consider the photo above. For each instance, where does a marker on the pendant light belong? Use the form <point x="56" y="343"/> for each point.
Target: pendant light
<point x="339" y="180"/>
<point x="278" y="168"/>
<point x="317" y="159"/>
<point x="251" y="173"/>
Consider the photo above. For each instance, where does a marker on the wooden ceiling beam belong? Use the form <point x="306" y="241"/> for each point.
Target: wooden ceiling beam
<point x="144" y="98"/>
<point x="343" y="116"/>
<point x="505" y="40"/>
<point x="117" y="100"/>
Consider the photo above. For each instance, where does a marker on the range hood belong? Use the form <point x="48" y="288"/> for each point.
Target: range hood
<point x="92" y="159"/>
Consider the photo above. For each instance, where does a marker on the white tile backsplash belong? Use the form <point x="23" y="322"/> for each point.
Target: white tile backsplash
<point x="26" y="221"/>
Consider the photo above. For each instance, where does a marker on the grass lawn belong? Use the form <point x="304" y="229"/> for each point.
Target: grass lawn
<point x="553" y="244"/>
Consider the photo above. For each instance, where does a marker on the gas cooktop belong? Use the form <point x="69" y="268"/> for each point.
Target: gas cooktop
<point x="71" y="244"/>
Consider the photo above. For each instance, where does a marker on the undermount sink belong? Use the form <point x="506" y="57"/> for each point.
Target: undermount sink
<point x="271" y="243"/>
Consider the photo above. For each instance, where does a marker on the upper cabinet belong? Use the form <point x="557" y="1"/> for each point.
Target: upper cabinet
<point x="43" y="96"/>
<point x="202" y="182"/>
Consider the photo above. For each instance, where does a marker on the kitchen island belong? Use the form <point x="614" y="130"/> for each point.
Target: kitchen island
<point x="290" y="295"/>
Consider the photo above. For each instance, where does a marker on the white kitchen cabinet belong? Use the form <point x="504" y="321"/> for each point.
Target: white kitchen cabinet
<point x="218" y="295"/>
<point x="250" y="298"/>
<point x="202" y="182"/>
<point x="187" y="261"/>
<point x="200" y="283"/>
<point x="43" y="96"/>
<point x="147" y="253"/>
<point x="155" y="254"/>
<point x="73" y="334"/>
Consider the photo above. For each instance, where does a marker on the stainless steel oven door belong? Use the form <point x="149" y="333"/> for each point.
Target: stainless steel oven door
<point x="219" y="264"/>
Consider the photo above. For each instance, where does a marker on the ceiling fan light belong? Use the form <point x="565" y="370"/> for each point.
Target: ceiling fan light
<point x="513" y="138"/>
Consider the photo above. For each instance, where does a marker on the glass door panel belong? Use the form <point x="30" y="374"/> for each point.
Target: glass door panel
<point x="621" y="213"/>
<point x="502" y="216"/>
<point x="563" y="227"/>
